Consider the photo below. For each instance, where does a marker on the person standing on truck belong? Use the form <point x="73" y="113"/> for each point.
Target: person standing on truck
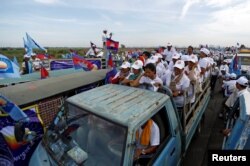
<point x="149" y="79"/>
<point x="147" y="141"/>
<point x="136" y="73"/>
<point x="104" y="38"/>
<point x="122" y="74"/>
<point x="193" y="74"/>
<point x="179" y="84"/>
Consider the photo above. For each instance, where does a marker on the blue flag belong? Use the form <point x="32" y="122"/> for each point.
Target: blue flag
<point x="8" y="69"/>
<point x="31" y="43"/>
<point x="234" y="66"/>
<point x="11" y="109"/>
<point x="15" y="61"/>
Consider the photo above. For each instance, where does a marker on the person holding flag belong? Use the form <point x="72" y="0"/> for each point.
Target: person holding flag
<point x="26" y="65"/>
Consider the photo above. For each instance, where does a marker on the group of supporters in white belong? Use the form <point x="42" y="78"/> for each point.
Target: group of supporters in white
<point x="169" y="68"/>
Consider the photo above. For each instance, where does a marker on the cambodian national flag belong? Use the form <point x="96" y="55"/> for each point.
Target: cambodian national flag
<point x="8" y="69"/>
<point x="234" y="66"/>
<point x="112" y="45"/>
<point x="81" y="63"/>
<point x="110" y="75"/>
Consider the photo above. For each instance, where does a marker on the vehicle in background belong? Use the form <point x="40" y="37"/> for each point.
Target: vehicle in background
<point x="239" y="137"/>
<point x="98" y="127"/>
<point x="40" y="100"/>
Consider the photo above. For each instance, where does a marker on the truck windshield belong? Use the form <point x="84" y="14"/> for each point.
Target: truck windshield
<point x="81" y="138"/>
<point x="245" y="61"/>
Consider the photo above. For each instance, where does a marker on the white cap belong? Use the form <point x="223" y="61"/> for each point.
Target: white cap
<point x="33" y="54"/>
<point x="176" y="56"/>
<point x="169" y="44"/>
<point x="205" y="51"/>
<point x="233" y="76"/>
<point x="203" y="63"/>
<point x="179" y="64"/>
<point x="137" y="64"/>
<point x="153" y="60"/>
<point x="158" y="55"/>
<point x="242" y="81"/>
<point x="185" y="58"/>
<point x="26" y="56"/>
<point x="193" y="58"/>
<point x="125" y="65"/>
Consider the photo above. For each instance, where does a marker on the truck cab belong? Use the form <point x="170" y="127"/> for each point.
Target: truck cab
<point x="98" y="127"/>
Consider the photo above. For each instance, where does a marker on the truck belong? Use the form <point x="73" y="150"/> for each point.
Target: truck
<point x="239" y="138"/>
<point x="98" y="127"/>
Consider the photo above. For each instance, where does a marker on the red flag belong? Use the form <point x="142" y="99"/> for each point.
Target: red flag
<point x="112" y="45"/>
<point x="110" y="61"/>
<point x="44" y="73"/>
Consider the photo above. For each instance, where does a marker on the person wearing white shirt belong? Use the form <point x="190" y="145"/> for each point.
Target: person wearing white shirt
<point x="147" y="143"/>
<point x="193" y="74"/>
<point x="204" y="64"/>
<point x="149" y="80"/>
<point x="104" y="37"/>
<point x="168" y="52"/>
<point x="224" y="67"/>
<point x="179" y="83"/>
<point x="175" y="57"/>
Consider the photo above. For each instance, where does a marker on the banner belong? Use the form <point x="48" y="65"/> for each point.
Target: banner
<point x="68" y="63"/>
<point x="8" y="69"/>
<point x="19" y="153"/>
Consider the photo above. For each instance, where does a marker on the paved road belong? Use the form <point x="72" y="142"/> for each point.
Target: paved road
<point x="210" y="136"/>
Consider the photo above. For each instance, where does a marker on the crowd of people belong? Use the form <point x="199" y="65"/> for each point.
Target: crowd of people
<point x="30" y="64"/>
<point x="181" y="73"/>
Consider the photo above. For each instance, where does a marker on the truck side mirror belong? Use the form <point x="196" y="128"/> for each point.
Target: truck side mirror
<point x="23" y="134"/>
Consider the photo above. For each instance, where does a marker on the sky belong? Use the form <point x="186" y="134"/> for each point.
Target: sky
<point x="134" y="23"/>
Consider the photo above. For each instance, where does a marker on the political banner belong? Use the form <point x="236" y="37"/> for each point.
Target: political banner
<point x="59" y="64"/>
<point x="19" y="153"/>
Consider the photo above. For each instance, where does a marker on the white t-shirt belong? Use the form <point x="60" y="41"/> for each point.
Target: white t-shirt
<point x="196" y="77"/>
<point x="169" y="54"/>
<point x="224" y="67"/>
<point x="183" y="84"/>
<point x="150" y="83"/>
<point x="154" y="135"/>
<point x="229" y="87"/>
<point x="104" y="37"/>
<point x="160" y="69"/>
<point x="166" y="78"/>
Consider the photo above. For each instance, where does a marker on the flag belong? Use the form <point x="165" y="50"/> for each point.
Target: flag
<point x="112" y="45"/>
<point x="110" y="60"/>
<point x="28" y="49"/>
<point x="44" y="72"/>
<point x="15" y="61"/>
<point x="110" y="75"/>
<point x="81" y="63"/>
<point x="11" y="109"/>
<point x="8" y="69"/>
<point x="31" y="43"/>
<point x="234" y="66"/>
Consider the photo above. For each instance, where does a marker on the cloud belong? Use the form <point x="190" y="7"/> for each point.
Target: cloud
<point x="231" y="20"/>
<point x="186" y="7"/>
<point x="47" y="1"/>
